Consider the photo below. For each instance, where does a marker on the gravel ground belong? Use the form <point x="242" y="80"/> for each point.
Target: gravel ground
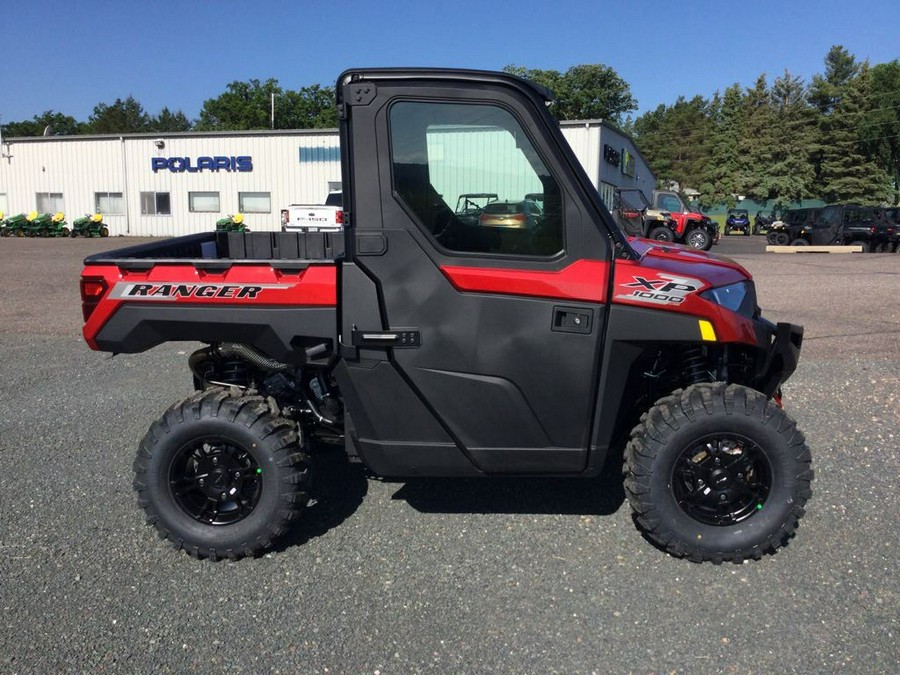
<point x="525" y="576"/>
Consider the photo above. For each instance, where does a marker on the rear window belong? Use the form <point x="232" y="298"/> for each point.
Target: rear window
<point x="501" y="207"/>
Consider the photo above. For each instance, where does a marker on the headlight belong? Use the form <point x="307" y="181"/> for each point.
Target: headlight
<point x="739" y="297"/>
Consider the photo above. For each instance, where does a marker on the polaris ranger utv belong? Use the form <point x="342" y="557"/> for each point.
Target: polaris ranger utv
<point x="434" y="346"/>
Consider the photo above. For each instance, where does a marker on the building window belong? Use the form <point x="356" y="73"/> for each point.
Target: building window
<point x="156" y="204"/>
<point x="255" y="202"/>
<point x="203" y="202"/>
<point x="49" y="202"/>
<point x="608" y="194"/>
<point x="109" y="203"/>
<point x="318" y="153"/>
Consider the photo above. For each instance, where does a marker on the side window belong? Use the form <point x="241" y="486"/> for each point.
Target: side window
<point x="473" y="180"/>
<point x="670" y="203"/>
<point x="828" y="217"/>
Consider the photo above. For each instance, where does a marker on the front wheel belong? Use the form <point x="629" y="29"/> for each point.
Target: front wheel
<point x="104" y="231"/>
<point x="661" y="233"/>
<point x="221" y="475"/>
<point x="864" y="244"/>
<point x="778" y="238"/>
<point x="717" y="473"/>
<point x="699" y="238"/>
<point x="799" y="241"/>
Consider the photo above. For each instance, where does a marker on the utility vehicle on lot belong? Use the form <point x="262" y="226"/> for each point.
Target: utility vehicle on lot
<point x="841" y="225"/>
<point x="636" y="217"/>
<point x="737" y="219"/>
<point x="436" y="347"/>
<point x="691" y="227"/>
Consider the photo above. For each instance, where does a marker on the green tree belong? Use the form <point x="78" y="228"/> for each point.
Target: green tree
<point x="790" y="174"/>
<point x="168" y="121"/>
<point x="649" y="131"/>
<point x="722" y="172"/>
<point x="756" y="144"/>
<point x="307" y="108"/>
<point x="58" y="123"/>
<point x="122" y="117"/>
<point x="589" y="91"/>
<point x="845" y="171"/>
<point x="248" y="105"/>
<point x="880" y="128"/>
<point x="243" y="106"/>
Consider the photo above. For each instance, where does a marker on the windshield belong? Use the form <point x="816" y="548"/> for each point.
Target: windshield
<point x="634" y="199"/>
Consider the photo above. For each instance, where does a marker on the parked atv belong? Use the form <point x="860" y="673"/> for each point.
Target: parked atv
<point x="691" y="227"/>
<point x="762" y="222"/>
<point x="14" y="226"/>
<point x="637" y="217"/>
<point x="737" y="219"/>
<point x="780" y="231"/>
<point x="90" y="225"/>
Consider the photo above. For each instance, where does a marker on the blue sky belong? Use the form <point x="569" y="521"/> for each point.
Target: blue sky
<point x="69" y="56"/>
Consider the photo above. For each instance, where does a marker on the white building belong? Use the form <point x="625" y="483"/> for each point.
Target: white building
<point x="181" y="183"/>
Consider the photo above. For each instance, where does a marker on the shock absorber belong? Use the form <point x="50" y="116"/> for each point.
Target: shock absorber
<point x="694" y="365"/>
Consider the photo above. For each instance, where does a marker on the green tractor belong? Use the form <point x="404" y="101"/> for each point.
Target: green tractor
<point x="90" y="225"/>
<point x="46" y="225"/>
<point x="233" y="223"/>
<point x="13" y="226"/>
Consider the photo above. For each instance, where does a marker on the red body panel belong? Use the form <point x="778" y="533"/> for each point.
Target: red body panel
<point x="315" y="286"/>
<point x="583" y="280"/>
<point x="665" y="278"/>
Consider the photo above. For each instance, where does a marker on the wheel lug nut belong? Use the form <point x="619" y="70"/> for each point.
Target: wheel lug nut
<point x="722" y="498"/>
<point x="237" y="474"/>
<point x="202" y="482"/>
<point x="224" y="496"/>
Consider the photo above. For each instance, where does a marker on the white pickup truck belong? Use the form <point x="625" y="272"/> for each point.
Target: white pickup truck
<point x="328" y="217"/>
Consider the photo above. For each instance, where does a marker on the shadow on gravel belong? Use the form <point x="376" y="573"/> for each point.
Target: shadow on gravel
<point x="338" y="488"/>
<point x="601" y="496"/>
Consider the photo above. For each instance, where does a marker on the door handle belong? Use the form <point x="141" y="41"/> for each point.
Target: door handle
<point x="573" y="320"/>
<point x="405" y="337"/>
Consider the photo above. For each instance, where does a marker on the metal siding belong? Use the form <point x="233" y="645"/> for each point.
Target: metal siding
<point x="79" y="168"/>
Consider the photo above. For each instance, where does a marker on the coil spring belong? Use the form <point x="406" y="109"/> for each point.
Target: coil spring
<point x="233" y="372"/>
<point x="694" y="365"/>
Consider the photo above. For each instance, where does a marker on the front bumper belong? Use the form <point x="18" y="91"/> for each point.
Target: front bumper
<point x="781" y="344"/>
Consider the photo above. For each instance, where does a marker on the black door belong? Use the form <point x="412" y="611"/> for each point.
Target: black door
<point x="488" y="330"/>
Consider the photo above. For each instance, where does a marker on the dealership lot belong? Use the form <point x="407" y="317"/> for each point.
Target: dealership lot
<point x="442" y="576"/>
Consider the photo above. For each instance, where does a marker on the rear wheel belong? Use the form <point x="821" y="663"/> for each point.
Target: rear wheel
<point x="661" y="233"/>
<point x="221" y="475"/>
<point x="859" y="242"/>
<point x="716" y="472"/>
<point x="778" y="238"/>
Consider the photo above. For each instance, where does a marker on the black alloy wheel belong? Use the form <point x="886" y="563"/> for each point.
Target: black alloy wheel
<point x="722" y="480"/>
<point x="215" y="483"/>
